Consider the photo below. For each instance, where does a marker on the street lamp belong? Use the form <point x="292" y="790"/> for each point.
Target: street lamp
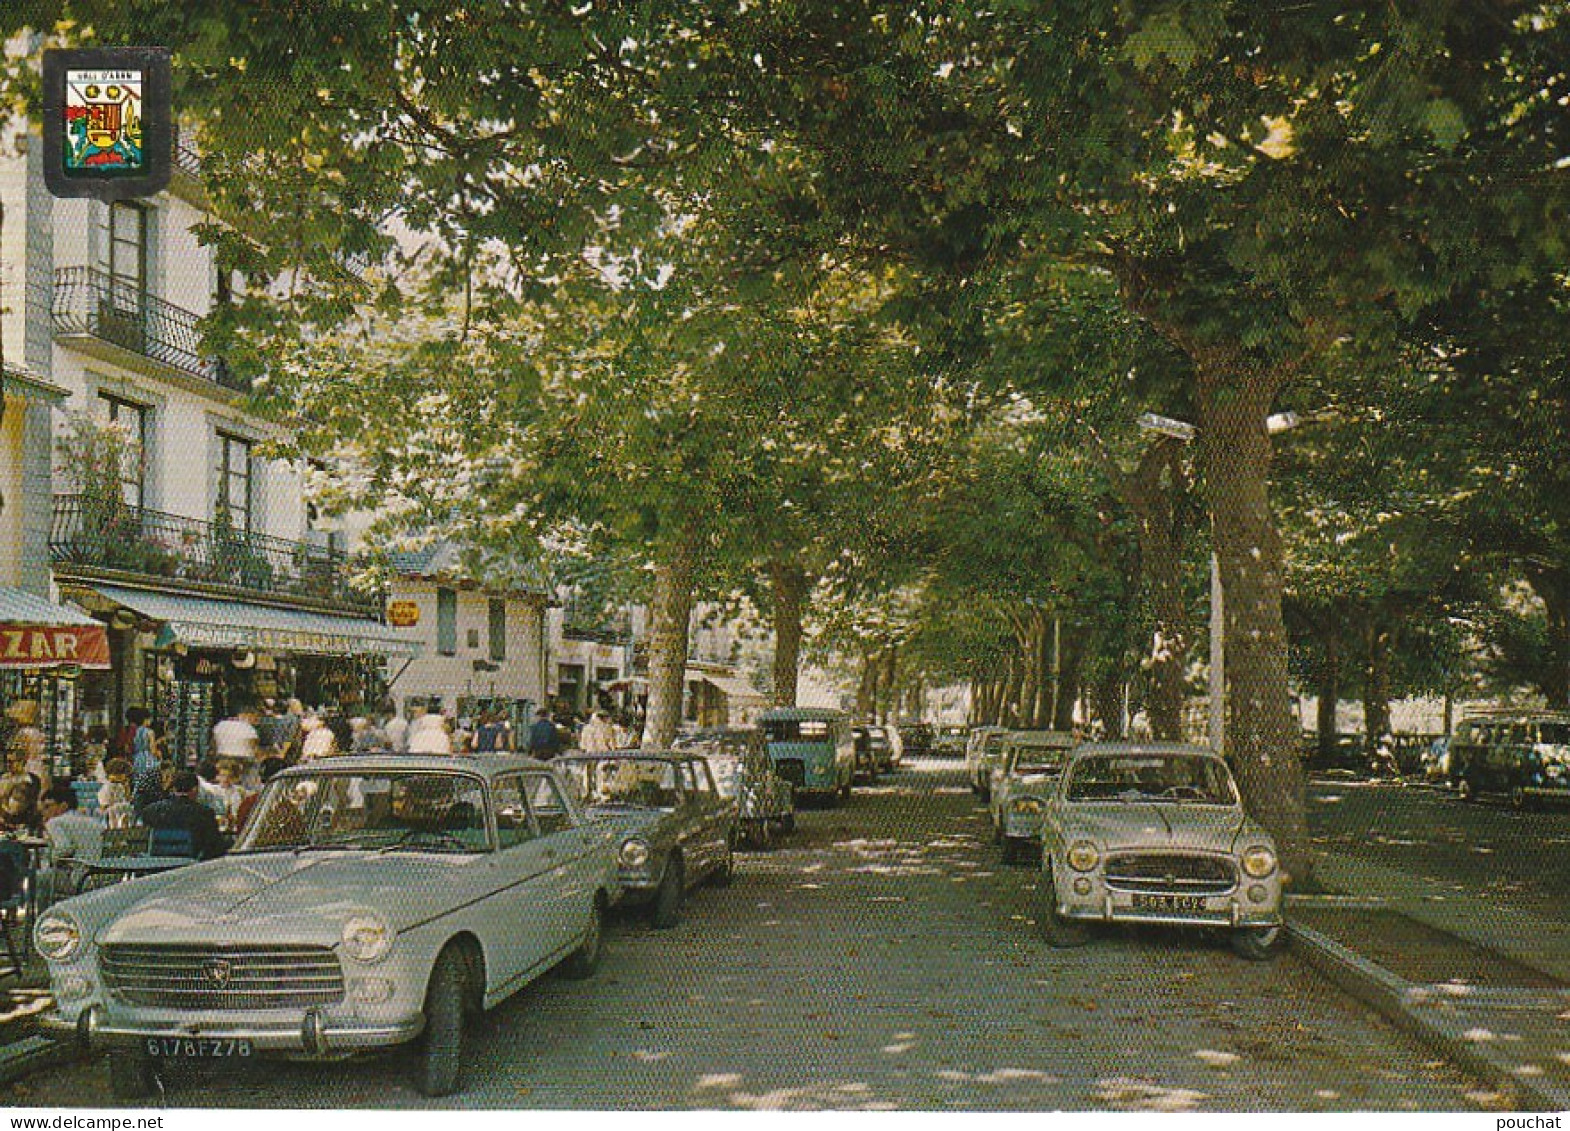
<point x="1275" y="424"/>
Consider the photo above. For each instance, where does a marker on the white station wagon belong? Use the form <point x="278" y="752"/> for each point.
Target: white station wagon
<point x="1156" y="833"/>
<point x="370" y="902"/>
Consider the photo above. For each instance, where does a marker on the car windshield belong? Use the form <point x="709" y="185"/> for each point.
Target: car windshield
<point x="419" y="810"/>
<point x="796" y="730"/>
<point x="1147" y="777"/>
<point x="640" y="783"/>
<point x="1035" y="759"/>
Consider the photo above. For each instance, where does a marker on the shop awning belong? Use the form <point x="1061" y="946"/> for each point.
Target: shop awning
<point x="732" y="687"/>
<point x="202" y="622"/>
<point x="35" y="633"/>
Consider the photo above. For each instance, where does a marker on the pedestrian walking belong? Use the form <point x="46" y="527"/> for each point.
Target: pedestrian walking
<point x="598" y="736"/>
<point x="236" y="736"/>
<point x="544" y="738"/>
<point x="397" y="728"/>
<point x="428" y="735"/>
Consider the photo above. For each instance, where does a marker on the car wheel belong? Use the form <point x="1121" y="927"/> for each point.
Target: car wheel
<point x="1257" y="944"/>
<point x="439" y="1051"/>
<point x="130" y="1072"/>
<point x="722" y="876"/>
<point x="584" y="961"/>
<point x="1059" y="931"/>
<point x="667" y="900"/>
<point x="1465" y="790"/>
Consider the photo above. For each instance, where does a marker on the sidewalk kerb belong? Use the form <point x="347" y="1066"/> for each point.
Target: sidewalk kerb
<point x="1393" y="998"/>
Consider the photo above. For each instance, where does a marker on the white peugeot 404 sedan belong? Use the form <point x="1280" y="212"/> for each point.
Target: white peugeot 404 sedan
<point x="371" y="901"/>
<point x="1156" y="833"/>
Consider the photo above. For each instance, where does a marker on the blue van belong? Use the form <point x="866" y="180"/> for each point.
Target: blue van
<point x="812" y="748"/>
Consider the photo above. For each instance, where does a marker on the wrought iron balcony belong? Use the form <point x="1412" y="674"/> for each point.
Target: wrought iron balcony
<point x="105" y="536"/>
<point x="87" y="302"/>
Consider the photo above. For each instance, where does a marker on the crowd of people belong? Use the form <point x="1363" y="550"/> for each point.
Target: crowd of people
<point x="141" y="783"/>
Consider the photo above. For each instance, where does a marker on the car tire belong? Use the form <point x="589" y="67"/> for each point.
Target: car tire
<point x="1061" y="933"/>
<point x="666" y="911"/>
<point x="1465" y="790"/>
<point x="130" y="1072"/>
<point x="722" y="876"/>
<point x="1257" y="944"/>
<point x="438" y="1053"/>
<point x="583" y="962"/>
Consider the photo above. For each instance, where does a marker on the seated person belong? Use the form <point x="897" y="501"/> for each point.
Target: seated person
<point x="182" y="810"/>
<point x="74" y="839"/>
<point x="19" y="793"/>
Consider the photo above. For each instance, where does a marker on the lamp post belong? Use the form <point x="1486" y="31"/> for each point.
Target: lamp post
<point x="1182" y="430"/>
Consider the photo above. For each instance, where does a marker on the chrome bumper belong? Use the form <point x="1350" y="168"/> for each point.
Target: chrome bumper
<point x="311" y="1034"/>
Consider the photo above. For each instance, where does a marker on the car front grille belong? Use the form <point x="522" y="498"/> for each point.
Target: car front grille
<point x="1170" y="873"/>
<point x="793" y="770"/>
<point x="227" y="977"/>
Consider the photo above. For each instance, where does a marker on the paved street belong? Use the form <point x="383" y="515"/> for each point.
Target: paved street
<point x="884" y="960"/>
<point x="1506" y="859"/>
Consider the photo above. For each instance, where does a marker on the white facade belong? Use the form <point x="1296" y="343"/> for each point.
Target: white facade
<point x="458" y="667"/>
<point x="56" y="258"/>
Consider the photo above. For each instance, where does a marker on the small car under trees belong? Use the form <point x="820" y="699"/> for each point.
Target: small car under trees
<point x="1021" y="782"/>
<point x="765" y="802"/>
<point x="1156" y="833"/>
<point x="370" y="902"/>
<point x="673" y="828"/>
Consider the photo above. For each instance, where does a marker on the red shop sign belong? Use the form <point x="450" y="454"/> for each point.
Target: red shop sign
<point x="42" y="646"/>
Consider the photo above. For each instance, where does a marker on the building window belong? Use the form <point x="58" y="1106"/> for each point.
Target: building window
<point x="498" y="630"/>
<point x="447" y="622"/>
<point x="233" y="472"/>
<point x="133" y="418"/>
<point x="127" y="256"/>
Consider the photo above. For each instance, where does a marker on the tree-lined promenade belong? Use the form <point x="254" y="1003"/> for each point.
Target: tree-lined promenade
<point x="850" y="310"/>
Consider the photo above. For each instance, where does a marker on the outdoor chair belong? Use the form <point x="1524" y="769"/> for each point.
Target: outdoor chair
<point x="172" y="842"/>
<point x="15" y="876"/>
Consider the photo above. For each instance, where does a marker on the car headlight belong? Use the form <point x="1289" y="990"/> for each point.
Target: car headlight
<point x="58" y="936"/>
<point x="634" y="853"/>
<point x="1083" y="856"/>
<point x="366" y="938"/>
<point x="1259" y="861"/>
<point x="1026" y="805"/>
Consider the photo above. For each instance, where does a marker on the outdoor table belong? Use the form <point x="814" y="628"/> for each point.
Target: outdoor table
<point x="129" y="867"/>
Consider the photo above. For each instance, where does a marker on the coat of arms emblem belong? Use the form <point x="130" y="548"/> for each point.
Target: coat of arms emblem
<point x="103" y="120"/>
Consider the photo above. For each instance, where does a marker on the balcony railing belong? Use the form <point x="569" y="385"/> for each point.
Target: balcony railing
<point x="89" y="302"/>
<point x="94" y="534"/>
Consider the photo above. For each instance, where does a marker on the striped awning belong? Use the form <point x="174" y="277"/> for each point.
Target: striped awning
<point x="35" y="633"/>
<point x="204" y="622"/>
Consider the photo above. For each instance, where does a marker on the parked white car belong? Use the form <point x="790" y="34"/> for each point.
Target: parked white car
<point x="370" y="902"/>
<point x="1156" y="833"/>
<point x="980" y="756"/>
<point x="1021" y="782"/>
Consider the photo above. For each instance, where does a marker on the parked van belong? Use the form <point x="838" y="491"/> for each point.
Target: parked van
<point x="812" y="748"/>
<point x="1524" y="755"/>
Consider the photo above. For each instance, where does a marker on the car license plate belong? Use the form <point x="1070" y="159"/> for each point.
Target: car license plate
<point x="197" y="1048"/>
<point x="1169" y="902"/>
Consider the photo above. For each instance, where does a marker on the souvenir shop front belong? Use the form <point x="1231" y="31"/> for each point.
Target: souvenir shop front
<point x="197" y="658"/>
<point x="45" y="649"/>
